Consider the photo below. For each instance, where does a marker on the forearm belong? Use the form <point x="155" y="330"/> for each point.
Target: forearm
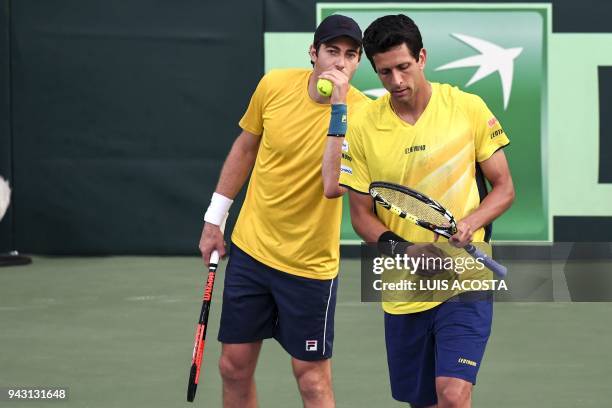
<point x="365" y="223"/>
<point x="331" y="167"/>
<point x="234" y="173"/>
<point x="369" y="228"/>
<point x="496" y="170"/>
<point x="236" y="169"/>
<point x="498" y="200"/>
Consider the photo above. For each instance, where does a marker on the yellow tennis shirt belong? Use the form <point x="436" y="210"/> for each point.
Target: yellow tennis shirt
<point x="436" y="156"/>
<point x="286" y="222"/>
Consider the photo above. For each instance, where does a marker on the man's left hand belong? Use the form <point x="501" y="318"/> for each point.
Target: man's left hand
<point x="463" y="235"/>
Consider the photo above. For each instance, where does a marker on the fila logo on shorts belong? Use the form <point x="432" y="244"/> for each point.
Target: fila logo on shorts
<point x="311" y="345"/>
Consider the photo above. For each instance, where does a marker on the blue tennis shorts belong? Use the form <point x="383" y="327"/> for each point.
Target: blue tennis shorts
<point x="260" y="302"/>
<point x="446" y="341"/>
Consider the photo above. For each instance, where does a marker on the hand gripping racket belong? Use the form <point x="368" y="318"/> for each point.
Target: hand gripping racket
<point x="200" y="333"/>
<point x="427" y="213"/>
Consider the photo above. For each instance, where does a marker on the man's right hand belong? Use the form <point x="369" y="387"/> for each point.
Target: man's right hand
<point x="341" y="85"/>
<point x="212" y="239"/>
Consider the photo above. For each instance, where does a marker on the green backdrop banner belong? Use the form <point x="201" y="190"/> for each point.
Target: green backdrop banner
<point x="554" y="129"/>
<point x="515" y="91"/>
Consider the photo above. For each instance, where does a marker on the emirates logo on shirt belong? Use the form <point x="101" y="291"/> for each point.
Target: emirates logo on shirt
<point x="417" y="148"/>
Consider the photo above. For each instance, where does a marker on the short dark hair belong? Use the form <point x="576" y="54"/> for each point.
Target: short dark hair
<point x="390" y="31"/>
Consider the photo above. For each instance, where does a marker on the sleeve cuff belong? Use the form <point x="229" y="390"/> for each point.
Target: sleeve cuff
<point x="487" y="156"/>
<point x="354" y="189"/>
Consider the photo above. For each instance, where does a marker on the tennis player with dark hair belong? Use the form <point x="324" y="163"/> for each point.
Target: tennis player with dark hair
<point x="281" y="278"/>
<point x="444" y="143"/>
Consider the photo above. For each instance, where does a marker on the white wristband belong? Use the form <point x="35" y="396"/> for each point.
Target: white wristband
<point x="218" y="208"/>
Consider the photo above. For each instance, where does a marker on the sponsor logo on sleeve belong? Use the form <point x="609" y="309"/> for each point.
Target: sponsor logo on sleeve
<point x="498" y="132"/>
<point x="345" y="146"/>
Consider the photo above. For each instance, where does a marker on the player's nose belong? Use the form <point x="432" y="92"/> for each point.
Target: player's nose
<point x="340" y="64"/>
<point x="396" y="78"/>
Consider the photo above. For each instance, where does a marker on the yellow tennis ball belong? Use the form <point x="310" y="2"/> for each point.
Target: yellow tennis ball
<point x="325" y="87"/>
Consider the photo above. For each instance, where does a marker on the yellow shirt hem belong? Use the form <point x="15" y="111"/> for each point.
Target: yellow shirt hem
<point x="400" y="310"/>
<point x="284" y="268"/>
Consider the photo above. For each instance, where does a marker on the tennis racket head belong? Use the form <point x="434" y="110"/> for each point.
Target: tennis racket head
<point x="427" y="213"/>
<point x="414" y="206"/>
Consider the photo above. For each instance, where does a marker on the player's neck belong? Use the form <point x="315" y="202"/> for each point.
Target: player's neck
<point x="411" y="110"/>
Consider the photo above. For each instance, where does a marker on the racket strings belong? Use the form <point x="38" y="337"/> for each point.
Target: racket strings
<point x="413" y="206"/>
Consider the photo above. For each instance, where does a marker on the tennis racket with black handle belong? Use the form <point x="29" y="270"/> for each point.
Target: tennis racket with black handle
<point x="200" y="333"/>
<point x="427" y="213"/>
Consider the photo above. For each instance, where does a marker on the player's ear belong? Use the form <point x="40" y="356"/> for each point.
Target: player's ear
<point x="422" y="58"/>
<point x="312" y="52"/>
